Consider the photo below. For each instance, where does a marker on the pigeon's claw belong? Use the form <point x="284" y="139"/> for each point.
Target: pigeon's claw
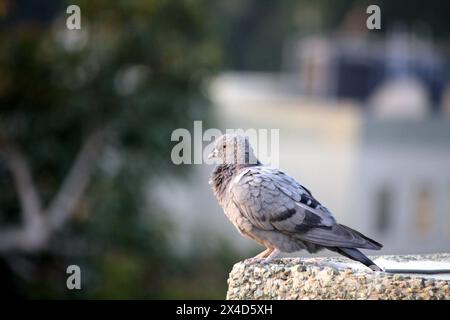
<point x="271" y="256"/>
<point x="260" y="257"/>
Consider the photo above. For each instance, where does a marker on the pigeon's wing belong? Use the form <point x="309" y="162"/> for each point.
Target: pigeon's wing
<point x="271" y="200"/>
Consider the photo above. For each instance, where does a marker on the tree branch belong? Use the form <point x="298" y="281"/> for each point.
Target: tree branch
<point x="32" y="233"/>
<point x="38" y="224"/>
<point x="76" y="181"/>
<point x="27" y="192"/>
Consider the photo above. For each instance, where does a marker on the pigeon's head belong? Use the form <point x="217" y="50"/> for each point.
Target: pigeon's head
<point x="233" y="149"/>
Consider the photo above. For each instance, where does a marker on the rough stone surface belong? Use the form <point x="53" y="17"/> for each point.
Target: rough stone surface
<point x="333" y="278"/>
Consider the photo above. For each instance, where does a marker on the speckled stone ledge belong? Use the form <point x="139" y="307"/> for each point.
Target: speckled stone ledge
<point x="334" y="278"/>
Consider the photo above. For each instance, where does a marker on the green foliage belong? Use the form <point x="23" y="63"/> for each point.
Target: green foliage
<point x="137" y="67"/>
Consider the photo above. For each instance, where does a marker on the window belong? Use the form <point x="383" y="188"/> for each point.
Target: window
<point x="384" y="204"/>
<point x="423" y="209"/>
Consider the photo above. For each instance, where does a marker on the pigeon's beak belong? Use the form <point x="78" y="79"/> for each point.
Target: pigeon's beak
<point x="213" y="154"/>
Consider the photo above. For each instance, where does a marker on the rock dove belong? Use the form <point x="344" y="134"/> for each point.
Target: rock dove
<point x="271" y="208"/>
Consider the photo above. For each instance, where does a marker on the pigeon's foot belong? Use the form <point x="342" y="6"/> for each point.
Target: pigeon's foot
<point x="271" y="256"/>
<point x="260" y="257"/>
<point x="264" y="257"/>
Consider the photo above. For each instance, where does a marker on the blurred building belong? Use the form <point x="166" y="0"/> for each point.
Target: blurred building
<point x="362" y="124"/>
<point x="363" y="68"/>
<point x="386" y="176"/>
<point x="402" y="189"/>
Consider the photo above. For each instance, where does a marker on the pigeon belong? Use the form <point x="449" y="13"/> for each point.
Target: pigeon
<point x="273" y="209"/>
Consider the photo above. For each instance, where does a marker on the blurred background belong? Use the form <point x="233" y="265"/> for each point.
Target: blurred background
<point x="87" y="115"/>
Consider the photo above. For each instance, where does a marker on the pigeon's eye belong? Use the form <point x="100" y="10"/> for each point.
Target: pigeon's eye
<point x="224" y="147"/>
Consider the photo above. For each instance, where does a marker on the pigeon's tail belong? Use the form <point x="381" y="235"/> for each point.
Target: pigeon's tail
<point x="356" y="255"/>
<point x="369" y="243"/>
